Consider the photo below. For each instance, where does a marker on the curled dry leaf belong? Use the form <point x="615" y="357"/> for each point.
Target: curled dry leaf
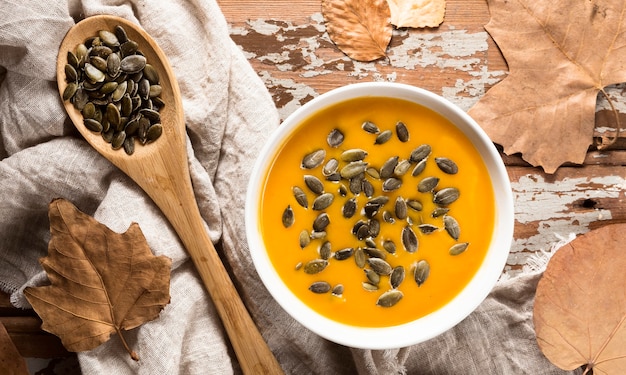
<point x="359" y="28"/>
<point x="580" y="304"/>
<point x="102" y="282"/>
<point x="417" y="13"/>
<point x="560" y="54"/>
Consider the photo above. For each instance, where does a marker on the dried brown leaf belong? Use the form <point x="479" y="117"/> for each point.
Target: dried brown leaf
<point x="417" y="13"/>
<point x="102" y="282"/>
<point x="560" y="55"/>
<point x="359" y="28"/>
<point x="580" y="304"/>
<point x="11" y="362"/>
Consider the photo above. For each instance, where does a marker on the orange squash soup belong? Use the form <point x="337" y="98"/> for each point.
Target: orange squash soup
<point x="319" y="251"/>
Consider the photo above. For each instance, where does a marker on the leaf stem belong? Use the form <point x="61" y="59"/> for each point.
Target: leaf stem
<point x="606" y="141"/>
<point x="132" y="353"/>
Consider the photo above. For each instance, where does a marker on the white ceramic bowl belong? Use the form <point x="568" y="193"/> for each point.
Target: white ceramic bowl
<point x="423" y="328"/>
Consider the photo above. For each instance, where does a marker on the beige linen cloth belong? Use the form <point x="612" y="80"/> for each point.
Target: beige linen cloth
<point x="229" y="115"/>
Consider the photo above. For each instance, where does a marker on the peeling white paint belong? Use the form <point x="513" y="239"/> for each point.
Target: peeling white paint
<point x="453" y="49"/>
<point x="548" y="204"/>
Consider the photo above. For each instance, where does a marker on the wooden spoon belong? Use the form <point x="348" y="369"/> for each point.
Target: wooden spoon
<point x="160" y="168"/>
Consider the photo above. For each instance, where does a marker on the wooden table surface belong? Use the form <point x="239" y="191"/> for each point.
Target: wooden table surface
<point x="286" y="44"/>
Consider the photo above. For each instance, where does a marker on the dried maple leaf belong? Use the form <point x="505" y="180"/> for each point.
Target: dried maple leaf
<point x="417" y="13"/>
<point x="359" y="28"/>
<point x="560" y="55"/>
<point x="102" y="282"/>
<point x="580" y="304"/>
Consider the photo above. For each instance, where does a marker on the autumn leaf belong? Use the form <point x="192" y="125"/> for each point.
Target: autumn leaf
<point x="11" y="362"/>
<point x="102" y="282"/>
<point x="417" y="13"/>
<point x="560" y="54"/>
<point x="580" y="304"/>
<point x="359" y="28"/>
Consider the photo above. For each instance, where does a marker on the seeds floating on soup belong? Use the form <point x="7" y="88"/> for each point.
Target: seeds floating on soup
<point x="371" y="198"/>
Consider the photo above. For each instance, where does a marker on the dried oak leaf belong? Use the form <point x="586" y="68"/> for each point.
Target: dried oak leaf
<point x="560" y="55"/>
<point x="359" y="28"/>
<point x="417" y="13"/>
<point x="580" y="304"/>
<point x="102" y="282"/>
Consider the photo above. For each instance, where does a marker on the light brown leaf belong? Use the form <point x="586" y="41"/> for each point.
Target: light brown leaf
<point x="11" y="362"/>
<point x="560" y="55"/>
<point x="580" y="304"/>
<point x="101" y="281"/>
<point x="417" y="13"/>
<point x="359" y="28"/>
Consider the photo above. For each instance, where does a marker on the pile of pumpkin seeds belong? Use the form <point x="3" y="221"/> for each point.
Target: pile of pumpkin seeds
<point x="354" y="175"/>
<point x="114" y="87"/>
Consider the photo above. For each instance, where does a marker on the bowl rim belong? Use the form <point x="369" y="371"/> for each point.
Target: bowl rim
<point x="428" y="326"/>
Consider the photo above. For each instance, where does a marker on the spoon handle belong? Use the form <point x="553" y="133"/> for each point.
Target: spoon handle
<point x="252" y="351"/>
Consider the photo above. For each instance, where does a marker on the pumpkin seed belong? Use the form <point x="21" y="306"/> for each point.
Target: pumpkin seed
<point x="132" y="64"/>
<point x="402" y="132"/>
<point x="108" y="38"/>
<point x="370" y="127"/>
<point x="337" y="290"/>
<point x="300" y="196"/>
<point x="427" y="184"/>
<point x="458" y="248"/>
<point x="380" y="266"/>
<point x="391" y="184"/>
<point x="388" y="167"/>
<point x="373" y="172"/>
<point x="402" y="167"/>
<point x="439" y="211"/>
<point x="389" y="298"/>
<point x="383" y="137"/>
<point x="335" y="138"/>
<point x="70" y="90"/>
<point x="354" y="154"/>
<point x="400" y="208"/>
<point x="325" y="250"/>
<point x="414" y="204"/>
<point x="320" y="287"/>
<point x="373" y="252"/>
<point x="446" y="196"/>
<point x="344" y="254"/>
<point x="359" y="257"/>
<point x="427" y="228"/>
<point x="372" y="276"/>
<point x="92" y="125"/>
<point x="420" y="153"/>
<point x="353" y="169"/>
<point x="409" y="239"/>
<point x="421" y="272"/>
<point x="349" y="208"/>
<point x="315" y="266"/>
<point x="388" y="217"/>
<point x="304" y="238"/>
<point x="321" y="222"/>
<point x="367" y="188"/>
<point x="323" y="201"/>
<point x="313" y="159"/>
<point x="331" y="166"/>
<point x="419" y="168"/>
<point x="446" y="165"/>
<point x="396" y="277"/>
<point x="389" y="246"/>
<point x="314" y="184"/>
<point x="288" y="217"/>
<point x="452" y="227"/>
<point x="369" y="286"/>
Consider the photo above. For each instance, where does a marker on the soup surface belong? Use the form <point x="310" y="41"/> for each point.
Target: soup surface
<point x="358" y="303"/>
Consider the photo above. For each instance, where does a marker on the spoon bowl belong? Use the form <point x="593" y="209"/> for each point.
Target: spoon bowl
<point x="161" y="169"/>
